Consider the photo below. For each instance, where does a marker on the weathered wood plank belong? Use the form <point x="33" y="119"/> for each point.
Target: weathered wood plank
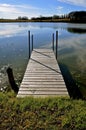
<point x="43" y="89"/>
<point x="44" y="83"/>
<point x="43" y="92"/>
<point x="43" y="76"/>
<point x="41" y="95"/>
<point x="39" y="76"/>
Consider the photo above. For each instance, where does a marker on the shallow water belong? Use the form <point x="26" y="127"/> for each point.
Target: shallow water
<point x="14" y="47"/>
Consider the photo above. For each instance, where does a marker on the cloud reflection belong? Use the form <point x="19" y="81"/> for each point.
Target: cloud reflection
<point x="74" y="46"/>
<point x="9" y="31"/>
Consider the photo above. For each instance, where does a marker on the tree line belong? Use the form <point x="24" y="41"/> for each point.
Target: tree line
<point x="75" y="16"/>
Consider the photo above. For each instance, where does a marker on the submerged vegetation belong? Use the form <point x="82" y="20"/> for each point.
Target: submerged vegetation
<point x="57" y="113"/>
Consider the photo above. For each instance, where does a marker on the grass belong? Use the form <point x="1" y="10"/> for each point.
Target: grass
<point x="36" y="20"/>
<point x="57" y="113"/>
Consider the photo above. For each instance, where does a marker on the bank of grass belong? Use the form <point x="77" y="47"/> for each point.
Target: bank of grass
<point x="57" y="113"/>
<point x="36" y="20"/>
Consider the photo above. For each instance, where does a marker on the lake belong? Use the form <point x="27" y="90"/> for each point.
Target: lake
<point x="71" y="48"/>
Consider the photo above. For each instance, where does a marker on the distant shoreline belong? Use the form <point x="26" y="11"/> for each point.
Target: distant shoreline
<point x="57" y="20"/>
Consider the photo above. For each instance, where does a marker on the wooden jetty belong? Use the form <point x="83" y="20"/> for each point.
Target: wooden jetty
<point x="42" y="76"/>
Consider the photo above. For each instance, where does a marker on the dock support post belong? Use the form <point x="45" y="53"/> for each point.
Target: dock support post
<point x="56" y="43"/>
<point x="53" y="41"/>
<point x="29" y="42"/>
<point x="11" y="80"/>
<point x="32" y="42"/>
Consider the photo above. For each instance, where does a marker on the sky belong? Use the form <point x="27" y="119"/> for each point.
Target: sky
<point x="34" y="8"/>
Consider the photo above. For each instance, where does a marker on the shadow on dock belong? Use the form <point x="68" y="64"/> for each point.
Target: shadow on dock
<point x="72" y="87"/>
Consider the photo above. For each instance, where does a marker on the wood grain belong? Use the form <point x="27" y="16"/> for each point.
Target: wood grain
<point x="42" y="76"/>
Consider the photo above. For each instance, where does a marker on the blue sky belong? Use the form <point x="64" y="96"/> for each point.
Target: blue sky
<point x="34" y="8"/>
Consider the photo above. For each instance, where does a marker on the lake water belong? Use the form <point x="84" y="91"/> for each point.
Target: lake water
<point x="14" y="47"/>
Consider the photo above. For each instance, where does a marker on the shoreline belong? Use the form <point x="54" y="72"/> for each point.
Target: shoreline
<point x="50" y="21"/>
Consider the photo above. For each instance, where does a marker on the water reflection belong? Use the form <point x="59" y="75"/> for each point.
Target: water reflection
<point x="71" y="51"/>
<point x="76" y="30"/>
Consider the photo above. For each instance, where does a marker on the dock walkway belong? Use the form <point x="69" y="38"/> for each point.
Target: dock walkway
<point x="42" y="76"/>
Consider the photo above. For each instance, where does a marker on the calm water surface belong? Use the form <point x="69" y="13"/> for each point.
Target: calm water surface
<point x="14" y="47"/>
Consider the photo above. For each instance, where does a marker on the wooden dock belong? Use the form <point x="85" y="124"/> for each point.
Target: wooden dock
<point x="42" y="76"/>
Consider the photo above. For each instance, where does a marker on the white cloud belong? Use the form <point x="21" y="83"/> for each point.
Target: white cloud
<point x="59" y="7"/>
<point x="7" y="8"/>
<point x="13" y="11"/>
<point x="75" y="2"/>
<point x="59" y="10"/>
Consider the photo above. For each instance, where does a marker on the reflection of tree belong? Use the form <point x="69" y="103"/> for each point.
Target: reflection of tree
<point x="76" y="30"/>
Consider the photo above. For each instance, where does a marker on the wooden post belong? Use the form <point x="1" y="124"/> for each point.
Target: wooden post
<point x="53" y="41"/>
<point x="11" y="80"/>
<point x="56" y="43"/>
<point x="32" y="42"/>
<point x="29" y="42"/>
